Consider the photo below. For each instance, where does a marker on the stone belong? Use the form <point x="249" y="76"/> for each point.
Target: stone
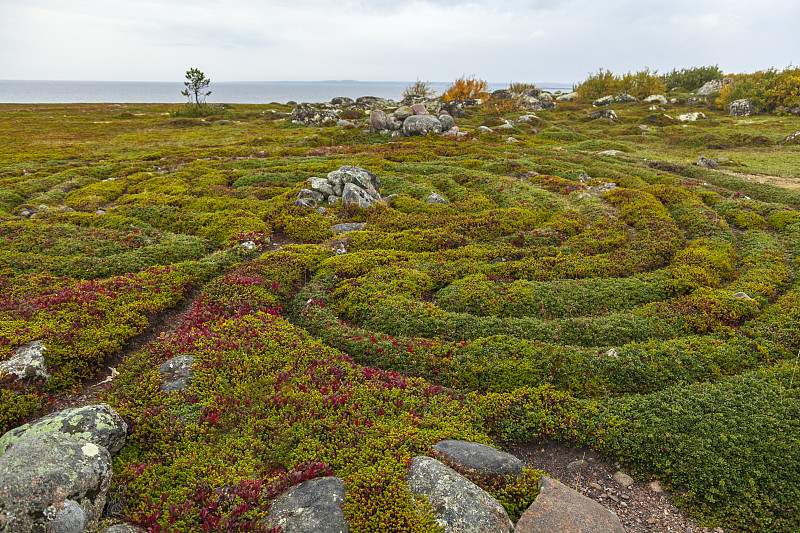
<point x="100" y="212"/>
<point x="349" y="174"/>
<point x="447" y="121"/>
<point x="568" y="97"/>
<point x="644" y="128"/>
<point x="694" y="100"/>
<point x="314" y="506"/>
<point x="611" y="352"/>
<point x="309" y="115"/>
<point x="610" y="152"/>
<point x="334" y="200"/>
<point x="690" y="117"/>
<point x="458" y="505"/>
<point x="655" y="486"/>
<point x="373" y="102"/>
<point x="506" y="126"/>
<point x="713" y="86"/>
<point x="347" y="227"/>
<point x="436" y="199"/>
<point x="452" y="132"/>
<point x="98" y="424"/>
<point x="793" y="137"/>
<point x="625" y="98"/>
<point x="378" y="119"/>
<point x="393" y="124"/>
<point x="317" y="196"/>
<point x="605" y="113"/>
<point x="480" y="458"/>
<point x="559" y="509"/>
<point x="656" y="99"/>
<point x="341" y="100"/>
<point x="28" y="363"/>
<point x="511" y="140"/>
<point x="305" y="203"/>
<point x="526" y="119"/>
<point x="353" y="194"/>
<point x="742" y="296"/>
<point x="575" y="466"/>
<point x="706" y="162"/>
<point x="70" y="519"/>
<point x="421" y="125"/>
<point x="40" y="473"/>
<point x="403" y="112"/>
<point x="742" y="108"/>
<point x="485" y="129"/>
<point x="419" y="109"/>
<point x="342" y="123"/>
<point x="540" y="106"/>
<point x="458" y="108"/>
<point x="321" y="186"/>
<point x="624" y="480"/>
<point x="606" y="100"/>
<point x="123" y="528"/>
<point x="177" y="372"/>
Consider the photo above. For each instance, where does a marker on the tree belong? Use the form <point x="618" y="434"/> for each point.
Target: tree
<point x="195" y="87"/>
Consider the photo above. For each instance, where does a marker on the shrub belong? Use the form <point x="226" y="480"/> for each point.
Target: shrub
<point x="769" y="90"/>
<point x="419" y="89"/>
<point x="639" y="84"/>
<point x="465" y="88"/>
<point x="691" y="79"/>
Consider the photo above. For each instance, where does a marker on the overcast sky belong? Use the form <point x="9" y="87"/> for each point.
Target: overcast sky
<point x="388" y="40"/>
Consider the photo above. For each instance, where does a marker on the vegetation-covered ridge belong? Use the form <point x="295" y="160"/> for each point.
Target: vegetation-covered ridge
<point x="560" y="294"/>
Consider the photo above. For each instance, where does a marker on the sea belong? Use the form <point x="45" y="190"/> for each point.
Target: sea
<point x="227" y="92"/>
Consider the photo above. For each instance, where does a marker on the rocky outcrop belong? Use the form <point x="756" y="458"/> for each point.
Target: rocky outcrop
<point x="347" y="184"/>
<point x="53" y="482"/>
<point x="312" y="115"/>
<point x="27" y="363"/>
<point x="690" y="117"/>
<point x="605" y="100"/>
<point x="314" y="506"/>
<point x="713" y="86"/>
<point x="479" y="458"/>
<point x="559" y="509"/>
<point x="458" y="505"/>
<point x="656" y="99"/>
<point x="96" y="424"/>
<point x="742" y="108"/>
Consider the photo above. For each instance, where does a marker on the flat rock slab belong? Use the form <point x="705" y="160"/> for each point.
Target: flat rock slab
<point x="559" y="509"/>
<point x="314" y="506"/>
<point x="480" y="458"/>
<point x="458" y="505"/>
<point x="347" y="227"/>
<point x="177" y="373"/>
<point x="98" y="424"/>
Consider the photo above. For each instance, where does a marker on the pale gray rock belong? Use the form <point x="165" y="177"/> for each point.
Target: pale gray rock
<point x="506" y="126"/>
<point x="458" y="505"/>
<point x="342" y="123"/>
<point x="305" y="203"/>
<point x="655" y="486"/>
<point x="611" y="152"/>
<point x="421" y="125"/>
<point x="656" y="99"/>
<point x="559" y="509"/>
<point x="309" y="115"/>
<point x="349" y="174"/>
<point x="308" y="193"/>
<point x="436" y="199"/>
<point x="480" y="458"/>
<point x="605" y="113"/>
<point x="742" y="108"/>
<point x="452" y="132"/>
<point x="314" y="506"/>
<point x="625" y="98"/>
<point x="393" y="124"/>
<point x="69" y="519"/>
<point x="690" y="117"/>
<point x="713" y="86"/>
<point x="321" y="186"/>
<point x="177" y="372"/>
<point x="347" y="227"/>
<point x="485" y="129"/>
<point x="446" y="121"/>
<point x="568" y="97"/>
<point x="98" y="424"/>
<point x="403" y="112"/>
<point x="40" y="473"/>
<point x="706" y="162"/>
<point x="624" y="480"/>
<point x="27" y="363"/>
<point x="694" y="100"/>
<point x="353" y="194"/>
<point x="511" y="140"/>
<point x="794" y="136"/>
<point x="605" y="100"/>
<point x="333" y="199"/>
<point x="742" y="296"/>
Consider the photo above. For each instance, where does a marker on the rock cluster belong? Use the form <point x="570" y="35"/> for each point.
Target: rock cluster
<point x="347" y="185"/>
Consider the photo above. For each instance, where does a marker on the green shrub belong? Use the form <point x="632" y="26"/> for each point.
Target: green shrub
<point x="691" y="79"/>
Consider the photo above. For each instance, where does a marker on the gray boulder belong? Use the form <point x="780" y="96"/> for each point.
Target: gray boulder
<point x="393" y="124"/>
<point x="625" y="98"/>
<point x="742" y="108"/>
<point x="177" y="372"/>
<point x="541" y="106"/>
<point x="402" y="112"/>
<point x="42" y="472"/>
<point x="347" y="227"/>
<point x="605" y="113"/>
<point x="378" y="119"/>
<point x="706" y="162"/>
<point x="98" y="424"/>
<point x="341" y="100"/>
<point x="559" y="509"/>
<point x="656" y="99"/>
<point x="436" y="199"/>
<point x="447" y="122"/>
<point x="458" y="108"/>
<point x="353" y="194"/>
<point x="713" y="86"/>
<point x="480" y="458"/>
<point x="485" y="129"/>
<point x="694" y="100"/>
<point x="314" y="506"/>
<point x="690" y="117"/>
<point x="421" y="125"/>
<point x="568" y="97"/>
<point x="27" y="363"/>
<point x="321" y="186"/>
<point x="123" y="528"/>
<point x="359" y="176"/>
<point x="306" y="203"/>
<point x="458" y="505"/>
<point x="344" y="123"/>
<point x="309" y="115"/>
<point x="606" y="100"/>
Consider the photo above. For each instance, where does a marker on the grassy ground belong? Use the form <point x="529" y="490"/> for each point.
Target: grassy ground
<point x="536" y="305"/>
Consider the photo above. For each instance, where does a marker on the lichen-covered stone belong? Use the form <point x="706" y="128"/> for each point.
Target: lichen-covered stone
<point x="71" y="518"/>
<point x="402" y="113"/>
<point x="347" y="227"/>
<point x="605" y="113"/>
<point x="353" y="194"/>
<point x="625" y="98"/>
<point x="314" y="506"/>
<point x="436" y="199"/>
<point x="39" y="473"/>
<point x="27" y="363"/>
<point x="98" y="424"/>
<point x="421" y="125"/>
<point x="349" y="174"/>
<point x="458" y="505"/>
<point x="656" y="99"/>
<point x="123" y="528"/>
<point x="177" y="372"/>
<point x="568" y="97"/>
<point x="480" y="458"/>
<point x="321" y="186"/>
<point x="713" y="86"/>
<point x="742" y="108"/>
<point x="605" y="100"/>
<point x="378" y="119"/>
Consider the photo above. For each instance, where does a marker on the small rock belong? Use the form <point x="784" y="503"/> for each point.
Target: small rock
<point x="742" y="295"/>
<point x="436" y="199"/>
<point x="512" y="140"/>
<point x="656" y="98"/>
<point x="612" y="353"/>
<point x="485" y="129"/>
<point x="347" y="227"/>
<point x="690" y="117"/>
<point x="177" y="372"/>
<point x="580" y="464"/>
<point x="595" y="486"/>
<point x="706" y="162"/>
<point x="624" y="480"/>
<point x="606" y="113"/>
<point x="655" y="486"/>
<point x="742" y="108"/>
<point x="342" y="123"/>
<point x="100" y="212"/>
<point x="306" y="203"/>
<point x="605" y="100"/>
<point x="447" y="122"/>
<point x="27" y="363"/>
<point x="568" y="97"/>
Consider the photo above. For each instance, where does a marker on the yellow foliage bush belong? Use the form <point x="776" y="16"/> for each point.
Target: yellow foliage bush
<point x="466" y="88"/>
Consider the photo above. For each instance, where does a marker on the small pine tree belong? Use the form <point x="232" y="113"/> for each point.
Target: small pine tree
<point x="195" y="87"/>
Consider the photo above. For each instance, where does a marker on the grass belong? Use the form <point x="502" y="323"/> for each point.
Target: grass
<point x="488" y="319"/>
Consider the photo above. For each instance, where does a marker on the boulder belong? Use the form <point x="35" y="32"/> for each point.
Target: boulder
<point x="690" y="117"/>
<point x="98" y="424"/>
<point x="694" y="100"/>
<point x="559" y="509"/>
<point x="305" y="203"/>
<point x="393" y="124"/>
<point x="314" y="195"/>
<point x="27" y="363"/>
<point x="341" y="100"/>
<point x="177" y="372"/>
<point x="419" y="109"/>
<point x="347" y="227"/>
<point x="480" y="458"/>
<point x="371" y="102"/>
<point x="446" y="121"/>
<point x="605" y="113"/>
<point x="742" y="108"/>
<point x="568" y="97"/>
<point x="353" y="194"/>
<point x="309" y="115"/>
<point x="656" y="99"/>
<point x="41" y="473"/>
<point x="436" y="199"/>
<point x="314" y="506"/>
<point x="485" y="129"/>
<point x="458" y="108"/>
<point x="349" y="174"/>
<point x="458" y="505"/>
<point x="321" y="186"/>
<point x="344" y="123"/>
<point x="378" y="119"/>
<point x="606" y="100"/>
<point x="403" y="112"/>
<point x="421" y="125"/>
<point x="625" y="98"/>
<point x="706" y="162"/>
<point x="713" y="86"/>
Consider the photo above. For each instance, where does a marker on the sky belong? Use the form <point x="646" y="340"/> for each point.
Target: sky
<point x="389" y="40"/>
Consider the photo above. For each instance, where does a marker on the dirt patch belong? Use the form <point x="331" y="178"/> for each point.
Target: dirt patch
<point x="640" y="507"/>
<point x="778" y="181"/>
